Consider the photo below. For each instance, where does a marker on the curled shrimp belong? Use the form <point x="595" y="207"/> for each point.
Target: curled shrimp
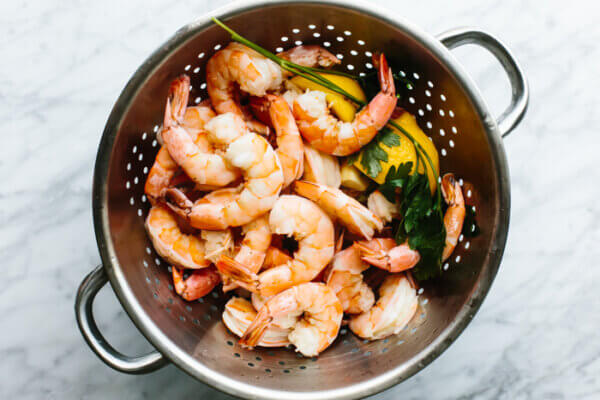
<point x="290" y="148"/>
<point x="263" y="179"/>
<point x="397" y="304"/>
<point x="170" y="243"/>
<point x="198" y="284"/>
<point x="318" y="312"/>
<point x="345" y="277"/>
<point x="302" y="219"/>
<point x="455" y="214"/>
<point x="353" y="215"/>
<point x="203" y="167"/>
<point x="384" y="253"/>
<point x="321" y="168"/>
<point x="254" y="74"/>
<point x="328" y="134"/>
<point x="253" y="249"/>
<point x="165" y="168"/>
<point x="239" y="314"/>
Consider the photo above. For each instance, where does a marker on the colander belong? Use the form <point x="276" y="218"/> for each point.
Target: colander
<point x="448" y="107"/>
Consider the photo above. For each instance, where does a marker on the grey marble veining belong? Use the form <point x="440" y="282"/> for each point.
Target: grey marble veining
<point x="63" y="65"/>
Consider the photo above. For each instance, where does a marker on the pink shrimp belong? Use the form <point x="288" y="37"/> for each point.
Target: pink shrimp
<point x="203" y="167"/>
<point x="318" y="314"/>
<point x="254" y="73"/>
<point x="455" y="214"/>
<point x="326" y="133"/>
<point x="200" y="282"/>
<point x="384" y="253"/>
<point x="290" y="148"/>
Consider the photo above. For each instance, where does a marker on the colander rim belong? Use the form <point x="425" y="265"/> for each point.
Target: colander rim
<point x="191" y="365"/>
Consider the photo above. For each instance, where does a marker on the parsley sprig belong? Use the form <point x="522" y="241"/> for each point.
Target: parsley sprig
<point x="421" y="224"/>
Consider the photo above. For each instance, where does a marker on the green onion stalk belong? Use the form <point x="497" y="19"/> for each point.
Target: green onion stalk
<point x="312" y="74"/>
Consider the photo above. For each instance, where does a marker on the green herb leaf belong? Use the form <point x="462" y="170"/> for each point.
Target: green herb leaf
<point x="422" y="224"/>
<point x="372" y="155"/>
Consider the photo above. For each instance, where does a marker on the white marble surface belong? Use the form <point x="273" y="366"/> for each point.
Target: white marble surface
<point x="63" y="65"/>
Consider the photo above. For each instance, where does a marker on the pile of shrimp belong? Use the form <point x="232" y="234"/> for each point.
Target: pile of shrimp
<point x="233" y="179"/>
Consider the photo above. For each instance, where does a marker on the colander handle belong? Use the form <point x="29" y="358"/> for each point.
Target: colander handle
<point x="511" y="117"/>
<point x="87" y="325"/>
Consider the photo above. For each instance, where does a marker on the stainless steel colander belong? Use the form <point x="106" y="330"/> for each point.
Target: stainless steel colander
<point x="450" y="110"/>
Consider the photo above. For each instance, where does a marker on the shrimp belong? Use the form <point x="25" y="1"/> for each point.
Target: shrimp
<point x="311" y="227"/>
<point x="254" y="73"/>
<point x="384" y="253"/>
<point x="239" y="314"/>
<point x="381" y="207"/>
<point x="326" y="133"/>
<point x="164" y="167"/>
<point x="170" y="243"/>
<point x="353" y="215"/>
<point x="290" y="148"/>
<point x="319" y="316"/>
<point x="260" y="168"/>
<point x="397" y="304"/>
<point x="252" y="252"/>
<point x="455" y="214"/>
<point x="203" y="167"/>
<point x="345" y="278"/>
<point x="200" y="282"/>
<point x="321" y="168"/>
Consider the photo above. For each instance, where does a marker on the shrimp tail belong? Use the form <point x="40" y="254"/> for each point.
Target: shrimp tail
<point x="177" y="100"/>
<point x="200" y="283"/>
<point x="238" y="272"/>
<point x="385" y="75"/>
<point x="256" y="329"/>
<point x="370" y="256"/>
<point x="177" y="201"/>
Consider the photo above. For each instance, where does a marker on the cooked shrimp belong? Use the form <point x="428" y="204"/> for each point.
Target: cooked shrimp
<point x="239" y="314"/>
<point x="170" y="243"/>
<point x="263" y="179"/>
<point x="252" y="252"/>
<point x="254" y="73"/>
<point x="290" y="148"/>
<point x="164" y="167"/>
<point x="204" y="168"/>
<point x="455" y="214"/>
<point x="321" y="168"/>
<point x="345" y="277"/>
<point x="384" y="253"/>
<point x="381" y="207"/>
<point x="353" y="215"/>
<point x="311" y="227"/>
<point x="394" y="309"/>
<point x="200" y="282"/>
<point x="319" y="315"/>
<point x="328" y="134"/>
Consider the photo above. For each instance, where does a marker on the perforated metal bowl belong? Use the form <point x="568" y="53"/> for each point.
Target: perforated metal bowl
<point x="191" y="335"/>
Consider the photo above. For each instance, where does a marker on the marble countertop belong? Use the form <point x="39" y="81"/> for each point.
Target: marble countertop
<point x="64" y="64"/>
